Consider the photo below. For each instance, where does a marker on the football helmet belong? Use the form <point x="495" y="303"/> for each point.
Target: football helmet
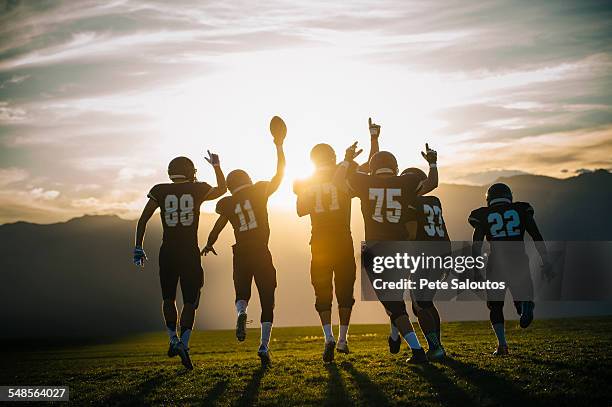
<point x="499" y="193"/>
<point x="181" y="169"/>
<point x="323" y="155"/>
<point x="237" y="180"/>
<point x="415" y="172"/>
<point x="383" y="162"/>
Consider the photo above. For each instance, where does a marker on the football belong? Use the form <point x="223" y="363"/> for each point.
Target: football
<point x="278" y="128"/>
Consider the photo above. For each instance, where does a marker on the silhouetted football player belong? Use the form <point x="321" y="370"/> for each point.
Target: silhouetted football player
<point x="503" y="220"/>
<point x="332" y="263"/>
<point x="424" y="223"/>
<point x="179" y="256"/>
<point x="247" y="211"/>
<point x="383" y="196"/>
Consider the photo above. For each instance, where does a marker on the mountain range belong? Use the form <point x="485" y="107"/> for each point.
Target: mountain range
<point x="76" y="278"/>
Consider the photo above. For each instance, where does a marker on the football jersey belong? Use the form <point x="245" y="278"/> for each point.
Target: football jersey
<point x="330" y="211"/>
<point x="427" y="212"/>
<point x="502" y="222"/>
<point x="384" y="202"/>
<point x="247" y="211"/>
<point x="180" y="210"/>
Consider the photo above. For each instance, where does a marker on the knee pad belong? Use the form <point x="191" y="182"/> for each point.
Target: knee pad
<point x="323" y="306"/>
<point x="346" y="302"/>
<point x="395" y="309"/>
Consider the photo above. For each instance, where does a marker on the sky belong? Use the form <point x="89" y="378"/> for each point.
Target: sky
<point x="97" y="97"/>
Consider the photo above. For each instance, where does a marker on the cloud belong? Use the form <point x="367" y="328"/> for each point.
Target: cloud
<point x="128" y="173"/>
<point x="47" y="195"/>
<point x="98" y="96"/>
<point x="10" y="176"/>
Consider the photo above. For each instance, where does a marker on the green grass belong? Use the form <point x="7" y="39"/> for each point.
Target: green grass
<point x="554" y="362"/>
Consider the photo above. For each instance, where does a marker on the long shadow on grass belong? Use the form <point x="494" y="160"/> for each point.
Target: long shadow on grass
<point x="138" y="394"/>
<point x="249" y="394"/>
<point x="214" y="393"/>
<point x="369" y="392"/>
<point x="494" y="389"/>
<point x="336" y="390"/>
<point x="447" y="391"/>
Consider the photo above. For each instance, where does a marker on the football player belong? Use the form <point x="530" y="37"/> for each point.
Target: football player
<point x="246" y="209"/>
<point x="503" y="220"/>
<point x="179" y="256"/>
<point x="425" y="223"/>
<point x="332" y="263"/>
<point x="384" y="196"/>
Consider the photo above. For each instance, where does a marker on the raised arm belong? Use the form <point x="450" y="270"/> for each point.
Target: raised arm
<point x="374" y="147"/>
<point x="214" y="235"/>
<point x="141" y="227"/>
<point x="280" y="167"/>
<point x="341" y="173"/>
<point x="221" y="188"/>
<point x="431" y="182"/>
<point x="304" y="200"/>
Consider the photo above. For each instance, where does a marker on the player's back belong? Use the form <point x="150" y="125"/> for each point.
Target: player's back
<point x="330" y="213"/>
<point x="384" y="202"/>
<point x="247" y="211"/>
<point x="427" y="212"/>
<point x="179" y="203"/>
<point x="503" y="221"/>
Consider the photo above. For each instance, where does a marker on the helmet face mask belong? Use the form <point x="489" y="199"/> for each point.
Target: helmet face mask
<point x="181" y="169"/>
<point x="499" y="193"/>
<point x="323" y="155"/>
<point x="237" y="180"/>
<point x="383" y="163"/>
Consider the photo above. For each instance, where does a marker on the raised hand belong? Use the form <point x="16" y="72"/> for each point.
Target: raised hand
<point x="208" y="249"/>
<point x="430" y="155"/>
<point x="213" y="159"/>
<point x="374" y="128"/>
<point x="352" y="152"/>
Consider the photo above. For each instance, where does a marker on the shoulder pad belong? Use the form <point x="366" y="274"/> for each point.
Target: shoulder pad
<point x="475" y="218"/>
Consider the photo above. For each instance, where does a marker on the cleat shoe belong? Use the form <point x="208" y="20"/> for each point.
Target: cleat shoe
<point x="436" y="354"/>
<point x="241" y="327"/>
<point x="264" y="355"/>
<point x="342" y="347"/>
<point x="502" y="350"/>
<point x="183" y="352"/>
<point x="395" y="346"/>
<point x="418" y="356"/>
<point x="328" y="352"/>
<point x="526" y="313"/>
<point x="172" y="347"/>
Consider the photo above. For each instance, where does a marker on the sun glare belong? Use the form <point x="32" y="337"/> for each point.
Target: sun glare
<point x="322" y="97"/>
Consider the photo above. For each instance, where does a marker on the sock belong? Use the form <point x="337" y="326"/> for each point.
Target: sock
<point x="432" y="340"/>
<point x="171" y="329"/>
<point x="343" y="333"/>
<point x="241" y="307"/>
<point x="185" y="335"/>
<point x="412" y="340"/>
<point x="328" y="332"/>
<point x="394" y="332"/>
<point x="500" y="332"/>
<point x="266" y="332"/>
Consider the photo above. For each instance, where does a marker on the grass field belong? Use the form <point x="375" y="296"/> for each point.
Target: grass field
<point x="554" y="362"/>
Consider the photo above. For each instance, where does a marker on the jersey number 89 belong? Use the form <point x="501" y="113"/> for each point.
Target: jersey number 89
<point x="178" y="210"/>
